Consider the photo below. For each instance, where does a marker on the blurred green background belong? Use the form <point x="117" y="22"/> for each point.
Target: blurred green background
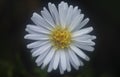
<point x="16" y="60"/>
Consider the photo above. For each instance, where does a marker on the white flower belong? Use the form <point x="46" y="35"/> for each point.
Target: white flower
<point x="59" y="37"/>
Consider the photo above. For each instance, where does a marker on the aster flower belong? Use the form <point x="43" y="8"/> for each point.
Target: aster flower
<point x="59" y="38"/>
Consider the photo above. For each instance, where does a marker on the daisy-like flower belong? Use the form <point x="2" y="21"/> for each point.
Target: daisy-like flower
<point x="59" y="37"/>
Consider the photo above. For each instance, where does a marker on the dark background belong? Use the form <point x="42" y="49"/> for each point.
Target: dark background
<point x="16" y="60"/>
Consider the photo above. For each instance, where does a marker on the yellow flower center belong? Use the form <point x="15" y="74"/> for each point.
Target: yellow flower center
<point x="60" y="37"/>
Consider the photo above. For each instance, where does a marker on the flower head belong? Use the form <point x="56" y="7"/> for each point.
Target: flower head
<point x="59" y="37"/>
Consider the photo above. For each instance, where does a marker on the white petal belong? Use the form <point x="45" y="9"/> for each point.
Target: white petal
<point x="54" y="13"/>
<point x="73" y="64"/>
<point x="46" y="15"/>
<point x="81" y="63"/>
<point x="76" y="12"/>
<point x="63" y="59"/>
<point x="38" y="20"/>
<point x="41" y="57"/>
<point x="85" y="47"/>
<point x="79" y="52"/>
<point x="38" y="29"/>
<point x="34" y="49"/>
<point x="30" y="31"/>
<point x="41" y="50"/>
<point x="69" y="15"/>
<point x="82" y="32"/>
<point x="56" y="60"/>
<point x="36" y="44"/>
<point x="40" y="62"/>
<point x="33" y="31"/>
<point x="49" y="57"/>
<point x="68" y="62"/>
<point x="76" y="21"/>
<point x="74" y="57"/>
<point x="88" y="42"/>
<point x="83" y="23"/>
<point x="84" y="37"/>
<point x="61" y="70"/>
<point x="93" y="37"/>
<point x="62" y="7"/>
<point x="50" y="67"/>
<point x="36" y="37"/>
